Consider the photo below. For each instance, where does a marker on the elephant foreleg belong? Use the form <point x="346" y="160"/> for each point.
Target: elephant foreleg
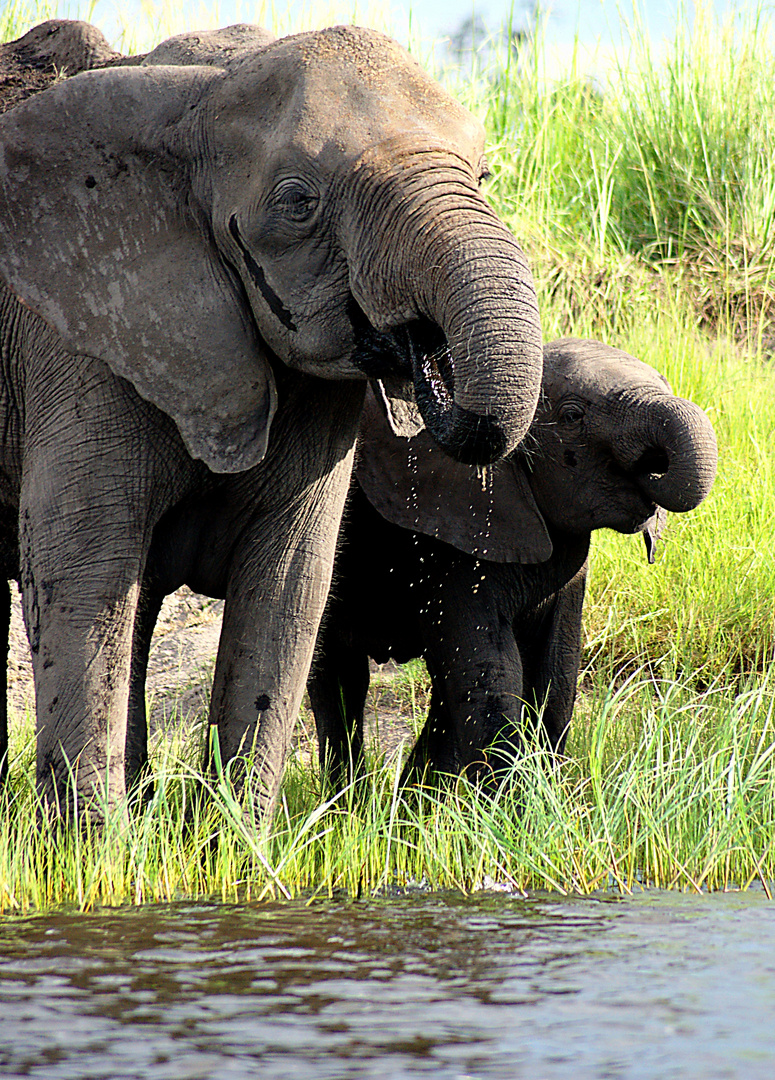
<point x="279" y="576"/>
<point x="85" y="520"/>
<point x="476" y="673"/>
<point x="435" y="750"/>
<point x="552" y="655"/>
<point x="79" y="615"/>
<point x="273" y="607"/>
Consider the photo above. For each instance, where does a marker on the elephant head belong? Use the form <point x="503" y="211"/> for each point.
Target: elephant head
<point x="46" y="53"/>
<point x="610" y="447"/>
<point x="67" y="45"/>
<point x="613" y="445"/>
<point x="214" y="48"/>
<point x="315" y="201"/>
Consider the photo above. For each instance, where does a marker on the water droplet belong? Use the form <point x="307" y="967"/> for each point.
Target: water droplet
<point x="413" y="487"/>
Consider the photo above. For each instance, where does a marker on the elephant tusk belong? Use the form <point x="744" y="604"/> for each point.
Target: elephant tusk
<point x="652" y="531"/>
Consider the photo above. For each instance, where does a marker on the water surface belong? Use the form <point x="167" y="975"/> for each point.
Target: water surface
<point x="655" y="986"/>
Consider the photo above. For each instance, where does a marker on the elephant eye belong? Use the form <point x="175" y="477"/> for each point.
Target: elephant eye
<point x="295" y="199"/>
<point x="571" y="413"/>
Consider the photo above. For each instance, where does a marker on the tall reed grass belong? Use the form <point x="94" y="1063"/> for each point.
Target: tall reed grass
<point x="644" y="197"/>
<point x="662" y="787"/>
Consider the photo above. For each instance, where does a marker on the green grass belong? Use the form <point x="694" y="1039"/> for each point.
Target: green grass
<point x="706" y="609"/>
<point x="662" y="786"/>
<point x="644" y="198"/>
<point x="659" y="170"/>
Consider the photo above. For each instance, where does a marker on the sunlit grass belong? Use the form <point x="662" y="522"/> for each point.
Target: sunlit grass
<point x="705" y="610"/>
<point x="652" y="173"/>
<point x="662" y="786"/>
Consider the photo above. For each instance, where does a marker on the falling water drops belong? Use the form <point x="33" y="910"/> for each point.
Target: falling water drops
<point x="488" y="490"/>
<point x="413" y="485"/>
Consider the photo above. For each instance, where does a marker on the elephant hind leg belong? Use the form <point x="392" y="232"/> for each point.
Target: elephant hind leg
<point x="337" y="686"/>
<point x="137" y="769"/>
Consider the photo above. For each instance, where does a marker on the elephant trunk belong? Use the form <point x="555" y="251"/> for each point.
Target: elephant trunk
<point x="452" y="280"/>
<point x="672" y="453"/>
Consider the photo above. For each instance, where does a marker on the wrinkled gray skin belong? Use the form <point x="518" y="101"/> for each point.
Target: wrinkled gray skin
<point x="68" y="45"/>
<point x="193" y="300"/>
<point x="486" y="582"/>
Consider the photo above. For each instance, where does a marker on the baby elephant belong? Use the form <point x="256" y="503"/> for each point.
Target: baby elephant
<point x="483" y="575"/>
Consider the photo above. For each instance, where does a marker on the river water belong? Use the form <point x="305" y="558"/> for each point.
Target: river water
<point x="657" y="985"/>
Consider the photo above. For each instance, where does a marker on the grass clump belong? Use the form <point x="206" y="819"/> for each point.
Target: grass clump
<point x="662" y="786"/>
<point x="656" y="172"/>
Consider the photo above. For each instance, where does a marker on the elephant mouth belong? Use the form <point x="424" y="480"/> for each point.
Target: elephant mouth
<point x="472" y="438"/>
<point x="652" y="531"/>
<point x="637" y="521"/>
<point x="419" y="351"/>
<point x="431" y="360"/>
<point x="634" y="513"/>
<point x="416" y="349"/>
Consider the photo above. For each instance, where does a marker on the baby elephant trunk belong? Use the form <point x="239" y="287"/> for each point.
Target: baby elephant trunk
<point x="672" y="454"/>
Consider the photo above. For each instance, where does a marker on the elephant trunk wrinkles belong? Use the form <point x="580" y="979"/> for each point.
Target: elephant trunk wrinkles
<point x="450" y="262"/>
<point x="673" y="454"/>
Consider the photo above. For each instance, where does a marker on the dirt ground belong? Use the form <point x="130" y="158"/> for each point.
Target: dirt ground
<point x="180" y="672"/>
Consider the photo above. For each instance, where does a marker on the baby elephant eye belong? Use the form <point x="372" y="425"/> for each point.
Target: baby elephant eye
<point x="295" y="199"/>
<point x="571" y="413"/>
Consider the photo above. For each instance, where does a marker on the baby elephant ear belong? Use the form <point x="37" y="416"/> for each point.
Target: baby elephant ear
<point x="394" y="396"/>
<point x="100" y="237"/>
<point x="412" y="483"/>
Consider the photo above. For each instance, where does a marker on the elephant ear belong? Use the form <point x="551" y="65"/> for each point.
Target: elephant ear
<point x="100" y="236"/>
<point x="395" y="397"/>
<point x="414" y="484"/>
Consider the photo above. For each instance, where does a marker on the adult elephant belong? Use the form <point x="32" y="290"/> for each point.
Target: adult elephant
<point x="201" y="268"/>
<point x="486" y="582"/>
<point x="60" y="48"/>
<point x="46" y="53"/>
